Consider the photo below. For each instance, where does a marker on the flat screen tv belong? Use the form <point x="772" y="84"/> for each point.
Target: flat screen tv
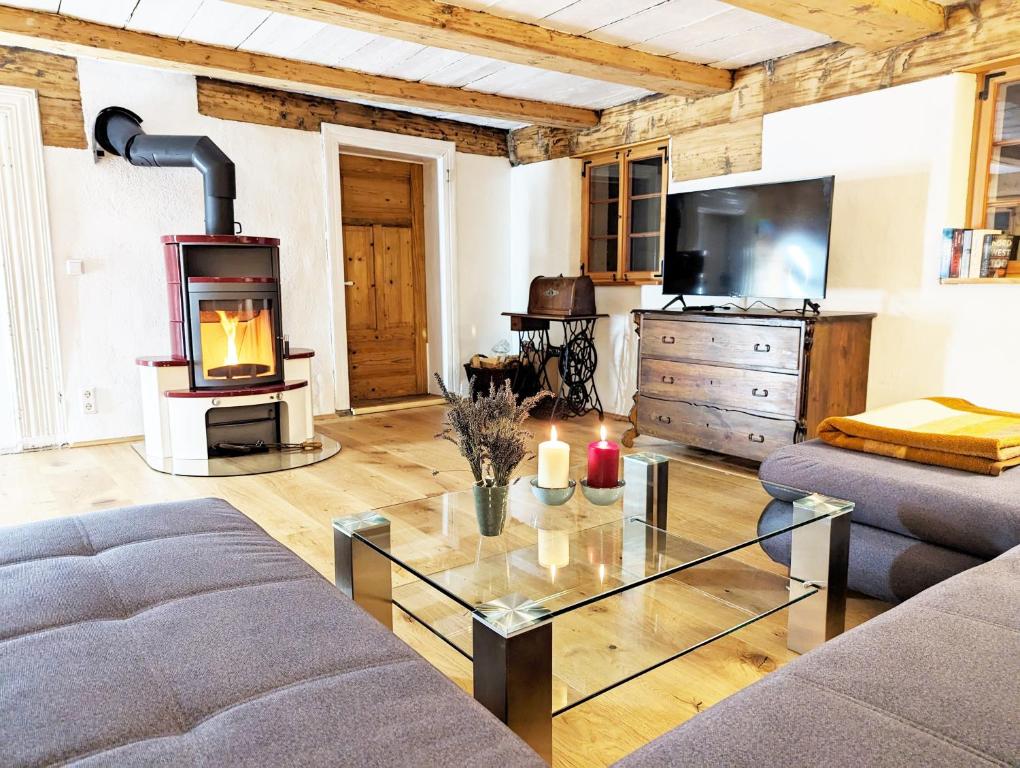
<point x="764" y="241"/>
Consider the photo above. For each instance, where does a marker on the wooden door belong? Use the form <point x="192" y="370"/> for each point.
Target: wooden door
<point x="384" y="267"/>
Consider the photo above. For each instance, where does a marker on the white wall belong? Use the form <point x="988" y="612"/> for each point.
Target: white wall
<point x="901" y="159"/>
<point x="483" y="252"/>
<point x="111" y="215"/>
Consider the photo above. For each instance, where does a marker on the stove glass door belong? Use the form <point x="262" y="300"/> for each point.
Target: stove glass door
<point x="237" y="338"/>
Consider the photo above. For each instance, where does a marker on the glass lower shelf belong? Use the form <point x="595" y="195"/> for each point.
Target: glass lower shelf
<point x="599" y="645"/>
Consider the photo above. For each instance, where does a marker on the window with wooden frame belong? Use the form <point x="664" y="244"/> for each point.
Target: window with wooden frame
<point x="623" y="214"/>
<point x="995" y="192"/>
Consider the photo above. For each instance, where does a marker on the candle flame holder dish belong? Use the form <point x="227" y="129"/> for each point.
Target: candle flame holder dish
<point x="553" y="497"/>
<point x="602" y="497"/>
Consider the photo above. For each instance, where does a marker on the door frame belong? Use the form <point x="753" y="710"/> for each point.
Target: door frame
<point x="29" y="290"/>
<point x="438" y="159"/>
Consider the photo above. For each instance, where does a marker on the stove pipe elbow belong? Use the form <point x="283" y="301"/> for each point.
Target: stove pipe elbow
<point x="119" y="132"/>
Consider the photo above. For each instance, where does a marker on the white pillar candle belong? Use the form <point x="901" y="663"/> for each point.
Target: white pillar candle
<point x="553" y="463"/>
<point x="553" y="549"/>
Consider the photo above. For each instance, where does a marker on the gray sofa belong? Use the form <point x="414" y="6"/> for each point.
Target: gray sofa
<point x="933" y="682"/>
<point x="913" y="525"/>
<point x="182" y="634"/>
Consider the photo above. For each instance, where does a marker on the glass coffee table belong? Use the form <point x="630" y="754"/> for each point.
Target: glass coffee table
<point x="570" y="601"/>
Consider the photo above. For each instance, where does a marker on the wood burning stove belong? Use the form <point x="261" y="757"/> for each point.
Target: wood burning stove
<point x="231" y="386"/>
<point x="225" y="318"/>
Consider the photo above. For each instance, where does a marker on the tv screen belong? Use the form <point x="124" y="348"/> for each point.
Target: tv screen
<point x="765" y="241"/>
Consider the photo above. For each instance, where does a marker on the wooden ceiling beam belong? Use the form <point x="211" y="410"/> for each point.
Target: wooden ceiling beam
<point x="496" y="37"/>
<point x="875" y="25"/>
<point x="281" y="109"/>
<point x="66" y="35"/>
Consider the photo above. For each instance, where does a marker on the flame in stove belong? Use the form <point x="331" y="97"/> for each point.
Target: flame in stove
<point x="228" y="321"/>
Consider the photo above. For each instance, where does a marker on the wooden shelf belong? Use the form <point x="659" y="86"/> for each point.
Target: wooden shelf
<point x="980" y="280"/>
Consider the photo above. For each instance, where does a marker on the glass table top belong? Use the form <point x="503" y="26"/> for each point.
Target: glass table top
<point x="554" y="558"/>
<point x="651" y="592"/>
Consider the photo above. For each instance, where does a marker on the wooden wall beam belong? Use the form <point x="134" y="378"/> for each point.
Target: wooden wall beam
<point x="264" y="106"/>
<point x="67" y="35"/>
<point x="874" y="25"/>
<point x="975" y="35"/>
<point x="55" y="80"/>
<point x="485" y="34"/>
<point x="717" y="150"/>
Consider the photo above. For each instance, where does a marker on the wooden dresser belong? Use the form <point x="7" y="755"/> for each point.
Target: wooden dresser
<point x="747" y="383"/>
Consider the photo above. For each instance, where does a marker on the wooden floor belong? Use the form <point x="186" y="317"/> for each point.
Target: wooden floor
<point x="390" y="458"/>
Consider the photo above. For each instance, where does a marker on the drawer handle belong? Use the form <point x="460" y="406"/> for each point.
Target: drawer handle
<point x="756" y="438"/>
<point x="760" y="392"/>
<point x="669" y="339"/>
<point x="668" y="380"/>
<point x="762" y="347"/>
<point x="665" y="419"/>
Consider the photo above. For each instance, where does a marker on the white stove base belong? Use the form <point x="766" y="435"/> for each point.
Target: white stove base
<point x="174" y="421"/>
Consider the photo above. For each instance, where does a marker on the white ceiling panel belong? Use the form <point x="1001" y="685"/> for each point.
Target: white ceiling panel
<point x="281" y="35"/>
<point x="583" y="16"/>
<point x="380" y="54"/>
<point x="465" y="71"/>
<point x="220" y="23"/>
<point x="422" y="63"/>
<point x="113" y="12"/>
<point x="657" y="19"/>
<point x="159" y="17"/>
<point x="35" y="5"/>
<point x="331" y="44"/>
<point x="772" y="46"/>
<point x="677" y="42"/>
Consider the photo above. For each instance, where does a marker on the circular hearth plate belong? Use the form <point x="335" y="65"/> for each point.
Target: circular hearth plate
<point x="254" y="464"/>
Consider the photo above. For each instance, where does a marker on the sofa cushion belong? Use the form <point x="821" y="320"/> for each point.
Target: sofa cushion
<point x="883" y="564"/>
<point x="975" y="514"/>
<point x="931" y="682"/>
<point x="181" y="633"/>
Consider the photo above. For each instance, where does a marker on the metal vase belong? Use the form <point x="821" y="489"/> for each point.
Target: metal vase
<point x="490" y="508"/>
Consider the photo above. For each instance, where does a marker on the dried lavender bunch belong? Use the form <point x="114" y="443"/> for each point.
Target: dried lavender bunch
<point x="489" y="431"/>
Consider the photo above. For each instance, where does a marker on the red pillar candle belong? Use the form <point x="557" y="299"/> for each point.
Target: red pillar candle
<point x="603" y="463"/>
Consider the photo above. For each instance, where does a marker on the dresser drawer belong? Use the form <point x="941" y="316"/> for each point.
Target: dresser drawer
<point x="739" y="434"/>
<point x="749" y="390"/>
<point x="764" y="346"/>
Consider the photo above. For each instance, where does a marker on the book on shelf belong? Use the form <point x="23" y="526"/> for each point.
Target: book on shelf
<point x="952" y="252"/>
<point x="968" y="241"/>
<point x="996" y="253"/>
<point x="968" y="253"/>
<point x="977" y="251"/>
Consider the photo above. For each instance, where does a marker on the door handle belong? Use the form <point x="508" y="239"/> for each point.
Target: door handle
<point x="756" y="438"/>
<point x="668" y="380"/>
<point x="665" y="419"/>
<point x="759" y="392"/>
<point x="762" y="347"/>
<point x="349" y="283"/>
<point x="669" y="339"/>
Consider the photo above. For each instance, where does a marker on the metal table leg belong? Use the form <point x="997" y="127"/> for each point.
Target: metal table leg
<point x="819" y="558"/>
<point x="512" y="652"/>
<point x="362" y="573"/>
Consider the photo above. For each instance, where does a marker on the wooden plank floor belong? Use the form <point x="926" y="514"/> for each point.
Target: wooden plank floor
<point x="393" y="457"/>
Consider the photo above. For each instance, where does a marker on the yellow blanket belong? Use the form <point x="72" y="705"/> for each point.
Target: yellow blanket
<point x="944" y="431"/>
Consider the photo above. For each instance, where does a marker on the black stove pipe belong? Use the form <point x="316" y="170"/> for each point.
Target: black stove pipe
<point x="119" y="132"/>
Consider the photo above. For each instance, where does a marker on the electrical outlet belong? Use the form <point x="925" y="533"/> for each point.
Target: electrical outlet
<point x="88" y="401"/>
